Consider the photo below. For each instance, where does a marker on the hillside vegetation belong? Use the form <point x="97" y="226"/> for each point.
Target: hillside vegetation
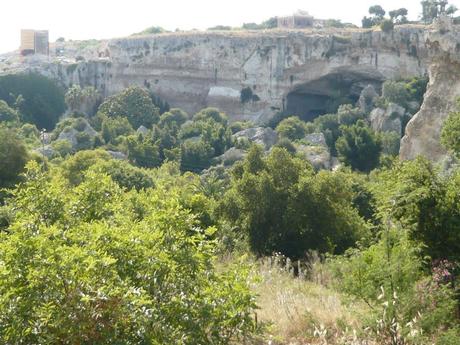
<point x="129" y="221"/>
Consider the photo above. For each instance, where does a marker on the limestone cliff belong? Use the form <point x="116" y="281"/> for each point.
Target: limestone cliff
<point x="297" y="71"/>
<point x="423" y="131"/>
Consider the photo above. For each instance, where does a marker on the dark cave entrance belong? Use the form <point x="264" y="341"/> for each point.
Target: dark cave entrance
<point x="325" y="95"/>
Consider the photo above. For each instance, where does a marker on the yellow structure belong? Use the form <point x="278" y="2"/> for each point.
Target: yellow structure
<point x="34" y="42"/>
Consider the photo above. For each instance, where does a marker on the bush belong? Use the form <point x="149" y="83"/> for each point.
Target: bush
<point x="387" y="25"/>
<point x="102" y="273"/>
<point x="8" y="114"/>
<point x="359" y="147"/>
<point x="292" y="128"/>
<point x="280" y="205"/>
<point x="450" y="133"/>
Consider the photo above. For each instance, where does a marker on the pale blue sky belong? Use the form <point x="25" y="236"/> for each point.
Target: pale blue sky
<point x="84" y="19"/>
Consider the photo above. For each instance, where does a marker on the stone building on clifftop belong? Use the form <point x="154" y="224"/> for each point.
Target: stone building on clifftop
<point x="299" y="20"/>
<point x="34" y="42"/>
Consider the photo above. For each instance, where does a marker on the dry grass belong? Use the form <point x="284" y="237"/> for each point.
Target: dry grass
<point x="297" y="311"/>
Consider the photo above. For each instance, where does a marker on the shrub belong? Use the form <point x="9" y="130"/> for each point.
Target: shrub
<point x="359" y="147"/>
<point x="292" y="128"/>
<point x="450" y="134"/>
<point x="387" y="25"/>
<point x="7" y="114"/>
<point x="81" y="263"/>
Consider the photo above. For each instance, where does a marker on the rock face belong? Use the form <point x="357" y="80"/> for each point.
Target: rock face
<point x="367" y="99"/>
<point x="296" y="71"/>
<point x="389" y="120"/>
<point x="263" y="136"/>
<point x="318" y="156"/>
<point x="423" y="130"/>
<point x="293" y="71"/>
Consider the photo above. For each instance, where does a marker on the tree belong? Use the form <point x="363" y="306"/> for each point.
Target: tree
<point x="280" y="205"/>
<point x="399" y="15"/>
<point x="84" y="100"/>
<point x="13" y="157"/>
<point x="450" y="134"/>
<point x="42" y="100"/>
<point x="196" y="155"/>
<point x="211" y="113"/>
<point x="424" y="202"/>
<point x="431" y="9"/>
<point x="292" y="128"/>
<point x="173" y="117"/>
<point x="8" y="114"/>
<point x="359" y="147"/>
<point x="105" y="267"/>
<point x="143" y="151"/>
<point x="74" y="167"/>
<point x="387" y="25"/>
<point x="377" y="11"/>
<point x="114" y="127"/>
<point x="135" y="104"/>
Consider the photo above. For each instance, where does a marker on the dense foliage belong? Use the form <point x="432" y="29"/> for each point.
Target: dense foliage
<point x="39" y="100"/>
<point x="281" y="205"/>
<point x="96" y="264"/>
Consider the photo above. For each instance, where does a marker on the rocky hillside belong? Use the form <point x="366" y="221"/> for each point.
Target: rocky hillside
<point x="254" y="75"/>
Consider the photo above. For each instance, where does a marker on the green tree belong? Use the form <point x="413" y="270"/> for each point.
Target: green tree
<point x="135" y="104"/>
<point x="82" y="264"/>
<point x="425" y="203"/>
<point x="280" y="205"/>
<point x="359" y="147"/>
<point x="377" y="11"/>
<point x="143" y="151"/>
<point x="8" y="114"/>
<point x="42" y="99"/>
<point x="211" y="113"/>
<point x="13" y="157"/>
<point x="74" y="167"/>
<point x="196" y="155"/>
<point x="450" y="133"/>
<point x="114" y="127"/>
<point x="292" y="128"/>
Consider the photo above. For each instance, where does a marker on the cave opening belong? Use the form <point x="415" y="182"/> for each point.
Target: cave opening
<point x="325" y="95"/>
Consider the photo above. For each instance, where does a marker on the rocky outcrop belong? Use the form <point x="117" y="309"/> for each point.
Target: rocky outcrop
<point x="367" y="99"/>
<point x="318" y="156"/>
<point x="423" y="130"/>
<point x="389" y="119"/>
<point x="284" y="70"/>
<point x="295" y="71"/>
<point x="264" y="136"/>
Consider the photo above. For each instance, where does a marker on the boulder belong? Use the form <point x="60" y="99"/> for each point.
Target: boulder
<point x="142" y="130"/>
<point x="70" y="134"/>
<point x="316" y="139"/>
<point x="318" y="156"/>
<point x="389" y="120"/>
<point x="367" y="99"/>
<point x="231" y="156"/>
<point x="264" y="136"/>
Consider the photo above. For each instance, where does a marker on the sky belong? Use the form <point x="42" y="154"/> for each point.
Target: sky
<point x="86" y="19"/>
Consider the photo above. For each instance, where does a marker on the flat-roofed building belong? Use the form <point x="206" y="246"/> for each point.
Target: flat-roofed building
<point x="298" y="20"/>
<point x="34" y="42"/>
